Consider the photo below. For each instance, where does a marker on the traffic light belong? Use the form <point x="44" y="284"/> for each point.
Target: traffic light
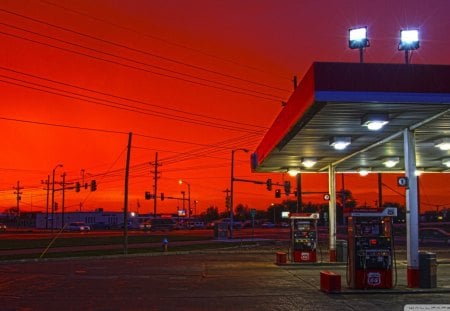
<point x="287" y="187"/>
<point x="162" y="196"/>
<point x="148" y="195"/>
<point x="77" y="187"/>
<point x="93" y="185"/>
<point x="269" y="184"/>
<point x="278" y="193"/>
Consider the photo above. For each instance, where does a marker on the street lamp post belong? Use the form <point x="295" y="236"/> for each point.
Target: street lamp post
<point x="53" y="194"/>
<point x="232" y="188"/>
<point x="189" y="196"/>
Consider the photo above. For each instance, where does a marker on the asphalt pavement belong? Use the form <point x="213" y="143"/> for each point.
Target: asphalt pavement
<point x="237" y="278"/>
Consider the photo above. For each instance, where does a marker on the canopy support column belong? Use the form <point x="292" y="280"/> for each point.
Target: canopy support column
<point x="332" y="212"/>
<point x="412" y="210"/>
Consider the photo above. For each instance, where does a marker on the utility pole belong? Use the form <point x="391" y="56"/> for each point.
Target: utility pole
<point x="62" y="204"/>
<point x="227" y="198"/>
<point x="155" y="182"/>
<point x="125" y="197"/>
<point x="18" y="197"/>
<point x="48" y="192"/>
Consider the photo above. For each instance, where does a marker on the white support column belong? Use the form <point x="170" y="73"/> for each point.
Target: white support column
<point x="332" y="212"/>
<point x="412" y="210"/>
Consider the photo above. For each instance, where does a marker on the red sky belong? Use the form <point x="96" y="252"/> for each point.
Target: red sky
<point x="192" y="80"/>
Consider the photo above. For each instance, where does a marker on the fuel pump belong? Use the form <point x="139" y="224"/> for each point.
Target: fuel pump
<point x="304" y="236"/>
<point x="370" y="248"/>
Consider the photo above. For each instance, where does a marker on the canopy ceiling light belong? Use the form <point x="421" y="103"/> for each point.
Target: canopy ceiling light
<point x="375" y="121"/>
<point x="446" y="162"/>
<point x="391" y="161"/>
<point x="340" y="143"/>
<point x="309" y="162"/>
<point x="293" y="172"/>
<point x="364" y="171"/>
<point x="418" y="172"/>
<point x="409" y="40"/>
<point x="358" y="40"/>
<point x="443" y="143"/>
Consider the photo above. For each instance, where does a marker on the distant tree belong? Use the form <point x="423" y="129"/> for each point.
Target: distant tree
<point x="211" y="214"/>
<point x="12" y="211"/>
<point x="241" y="212"/>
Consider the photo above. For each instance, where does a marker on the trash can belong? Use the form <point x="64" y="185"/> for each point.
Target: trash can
<point x="428" y="270"/>
<point x="341" y="250"/>
<point x="281" y="258"/>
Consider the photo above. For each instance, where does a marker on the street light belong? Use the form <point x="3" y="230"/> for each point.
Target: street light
<point x="232" y="188"/>
<point x="189" y="196"/>
<point x="53" y="193"/>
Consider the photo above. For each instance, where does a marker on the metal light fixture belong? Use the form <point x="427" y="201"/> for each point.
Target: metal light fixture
<point x="446" y="162"/>
<point x="375" y="121"/>
<point x="364" y="171"/>
<point x="358" y="40"/>
<point x="391" y="161"/>
<point x="409" y="40"/>
<point x="443" y="143"/>
<point x="309" y="162"/>
<point x="340" y="143"/>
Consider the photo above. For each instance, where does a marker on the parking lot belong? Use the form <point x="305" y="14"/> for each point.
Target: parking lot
<point x="233" y="279"/>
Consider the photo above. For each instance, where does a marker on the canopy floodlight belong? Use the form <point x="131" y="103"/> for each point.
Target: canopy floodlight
<point x="409" y="40"/>
<point x="443" y="143"/>
<point x="364" y="171"/>
<point x="358" y="40"/>
<point x="446" y="162"/>
<point x="375" y="121"/>
<point x="340" y="143"/>
<point x="391" y="161"/>
<point x="309" y="162"/>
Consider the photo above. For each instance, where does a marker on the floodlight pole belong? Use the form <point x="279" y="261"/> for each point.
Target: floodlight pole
<point x="361" y="55"/>
<point x="406" y="56"/>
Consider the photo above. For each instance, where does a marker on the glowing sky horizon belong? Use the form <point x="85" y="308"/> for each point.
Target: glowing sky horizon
<point x="192" y="80"/>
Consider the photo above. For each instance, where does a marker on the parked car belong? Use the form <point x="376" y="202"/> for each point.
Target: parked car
<point x="78" y="226"/>
<point x="434" y="236"/>
<point x="236" y="224"/>
<point x="2" y="227"/>
<point x="267" y="224"/>
<point x="100" y="226"/>
<point x="161" y="224"/>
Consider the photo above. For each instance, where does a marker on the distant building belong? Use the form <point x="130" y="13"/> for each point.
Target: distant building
<point x="110" y="219"/>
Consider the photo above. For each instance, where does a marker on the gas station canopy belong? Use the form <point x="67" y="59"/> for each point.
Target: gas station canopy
<point x="334" y="100"/>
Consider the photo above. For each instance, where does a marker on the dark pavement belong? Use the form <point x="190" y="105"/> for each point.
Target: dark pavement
<point x="233" y="279"/>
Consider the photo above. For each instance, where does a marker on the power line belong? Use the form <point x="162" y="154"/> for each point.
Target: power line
<point x="117" y="105"/>
<point x="225" y="87"/>
<point x="134" y="50"/>
<point x="126" y="98"/>
<point x="163" y="40"/>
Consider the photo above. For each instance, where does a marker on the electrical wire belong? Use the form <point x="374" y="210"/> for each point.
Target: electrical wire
<point x="96" y="18"/>
<point x="110" y="104"/>
<point x="201" y="82"/>
<point x="130" y="100"/>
